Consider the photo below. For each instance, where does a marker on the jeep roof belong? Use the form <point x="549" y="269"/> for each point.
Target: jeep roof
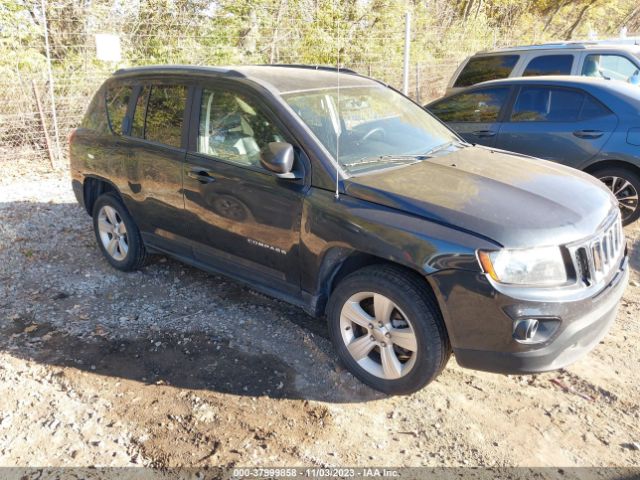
<point x="297" y="78"/>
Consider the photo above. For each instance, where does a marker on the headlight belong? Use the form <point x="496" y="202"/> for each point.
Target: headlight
<point x="532" y="266"/>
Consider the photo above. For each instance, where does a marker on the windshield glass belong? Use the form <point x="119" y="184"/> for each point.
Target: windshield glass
<point x="376" y="127"/>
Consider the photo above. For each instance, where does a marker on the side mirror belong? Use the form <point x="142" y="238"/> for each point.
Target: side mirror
<point x="277" y="157"/>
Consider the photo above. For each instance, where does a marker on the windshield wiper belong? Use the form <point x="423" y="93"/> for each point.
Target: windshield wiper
<point x="444" y="146"/>
<point x="385" y="159"/>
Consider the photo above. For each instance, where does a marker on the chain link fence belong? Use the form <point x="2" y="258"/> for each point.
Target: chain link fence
<point x="368" y="37"/>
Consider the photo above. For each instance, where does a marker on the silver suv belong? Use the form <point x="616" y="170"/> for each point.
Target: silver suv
<point x="603" y="59"/>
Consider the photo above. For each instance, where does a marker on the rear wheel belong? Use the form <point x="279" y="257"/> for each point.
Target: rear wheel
<point x="625" y="185"/>
<point x="387" y="329"/>
<point x="117" y="234"/>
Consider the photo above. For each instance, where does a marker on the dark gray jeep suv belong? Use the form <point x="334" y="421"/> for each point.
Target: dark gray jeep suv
<point x="335" y="193"/>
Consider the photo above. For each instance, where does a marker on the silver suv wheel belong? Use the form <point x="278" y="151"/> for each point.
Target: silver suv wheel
<point x="378" y="335"/>
<point x="113" y="233"/>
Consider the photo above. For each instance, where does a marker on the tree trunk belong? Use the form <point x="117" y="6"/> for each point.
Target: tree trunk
<point x="581" y="15"/>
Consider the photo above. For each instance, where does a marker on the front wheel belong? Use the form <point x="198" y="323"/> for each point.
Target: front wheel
<point x="625" y="185"/>
<point x="387" y="329"/>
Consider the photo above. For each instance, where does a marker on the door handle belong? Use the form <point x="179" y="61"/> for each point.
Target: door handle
<point x="484" y="133"/>
<point x="201" y="174"/>
<point x="588" y="133"/>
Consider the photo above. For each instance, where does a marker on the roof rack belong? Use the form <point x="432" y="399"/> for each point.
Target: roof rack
<point x="581" y="44"/>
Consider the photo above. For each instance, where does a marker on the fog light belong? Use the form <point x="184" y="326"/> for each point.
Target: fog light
<point x="525" y="330"/>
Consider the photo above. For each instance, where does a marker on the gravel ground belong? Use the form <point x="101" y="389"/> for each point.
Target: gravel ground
<point x="172" y="367"/>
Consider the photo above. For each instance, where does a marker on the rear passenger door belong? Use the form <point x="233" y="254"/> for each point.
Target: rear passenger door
<point x="156" y="144"/>
<point x="475" y="115"/>
<point x="565" y="125"/>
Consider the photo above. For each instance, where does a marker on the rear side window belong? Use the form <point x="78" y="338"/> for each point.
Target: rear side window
<point x="549" y="65"/>
<point x="543" y="104"/>
<point x="117" y="101"/>
<point x="478" y="106"/>
<point x="482" y="69"/>
<point x="165" y="114"/>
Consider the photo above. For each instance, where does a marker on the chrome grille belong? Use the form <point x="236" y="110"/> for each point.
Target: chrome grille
<point x="596" y="257"/>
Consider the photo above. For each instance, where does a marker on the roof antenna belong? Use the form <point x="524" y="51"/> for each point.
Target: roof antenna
<point x="339" y="130"/>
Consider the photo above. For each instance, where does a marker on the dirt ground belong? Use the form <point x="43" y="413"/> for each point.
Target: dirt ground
<point x="173" y="367"/>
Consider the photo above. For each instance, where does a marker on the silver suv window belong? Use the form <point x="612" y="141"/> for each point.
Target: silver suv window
<point x="485" y="68"/>
<point x="549" y="65"/>
<point x="611" y="67"/>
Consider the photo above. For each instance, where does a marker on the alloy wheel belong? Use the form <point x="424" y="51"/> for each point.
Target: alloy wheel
<point x="378" y="335"/>
<point x="625" y="192"/>
<point x="113" y="233"/>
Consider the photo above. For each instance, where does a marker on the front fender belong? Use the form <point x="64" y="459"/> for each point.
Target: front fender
<point x="334" y="230"/>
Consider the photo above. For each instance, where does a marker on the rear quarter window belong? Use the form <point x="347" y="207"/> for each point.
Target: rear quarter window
<point x="484" y="68"/>
<point x="592" y="108"/>
<point x="95" y="117"/>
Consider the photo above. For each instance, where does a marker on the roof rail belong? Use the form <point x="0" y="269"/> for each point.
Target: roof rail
<point x="581" y="44"/>
<point x="310" y="67"/>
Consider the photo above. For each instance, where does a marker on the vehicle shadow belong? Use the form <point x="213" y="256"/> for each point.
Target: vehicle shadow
<point x="45" y="286"/>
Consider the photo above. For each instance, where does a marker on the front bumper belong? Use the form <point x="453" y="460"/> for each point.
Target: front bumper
<point x="480" y="323"/>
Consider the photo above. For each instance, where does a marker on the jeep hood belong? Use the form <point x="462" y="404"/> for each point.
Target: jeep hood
<point x="516" y="201"/>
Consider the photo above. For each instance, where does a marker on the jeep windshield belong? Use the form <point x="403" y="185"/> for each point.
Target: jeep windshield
<point x="371" y="127"/>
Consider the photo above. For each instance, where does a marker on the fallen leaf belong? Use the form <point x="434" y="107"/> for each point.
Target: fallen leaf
<point x="31" y="328"/>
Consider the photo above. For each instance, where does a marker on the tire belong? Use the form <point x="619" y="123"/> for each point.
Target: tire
<point x="105" y="209"/>
<point x="614" y="178"/>
<point x="413" y="305"/>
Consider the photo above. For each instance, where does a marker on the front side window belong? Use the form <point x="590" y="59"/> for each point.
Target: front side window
<point x="165" y="114"/>
<point x="611" y="67"/>
<point x="369" y="127"/>
<point x="479" y="106"/>
<point x="485" y="68"/>
<point x="549" y="65"/>
<point x="543" y="104"/>
<point x="233" y="128"/>
<point x="117" y="102"/>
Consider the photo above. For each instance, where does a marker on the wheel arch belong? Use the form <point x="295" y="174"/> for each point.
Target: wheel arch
<point x="94" y="186"/>
<point x="339" y="265"/>
<point x="602" y="164"/>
